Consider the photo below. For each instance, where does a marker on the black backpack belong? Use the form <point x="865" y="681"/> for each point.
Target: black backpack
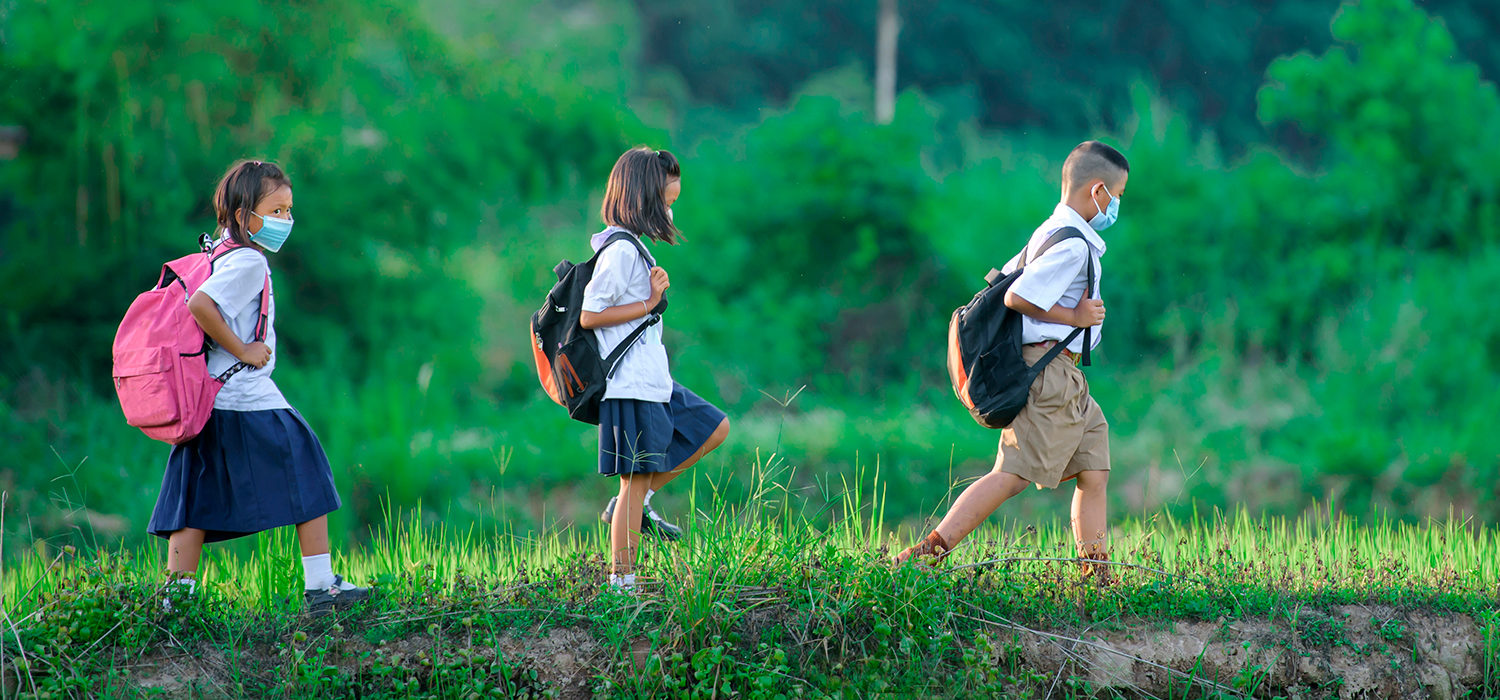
<point x="984" y="346"/>
<point x="567" y="355"/>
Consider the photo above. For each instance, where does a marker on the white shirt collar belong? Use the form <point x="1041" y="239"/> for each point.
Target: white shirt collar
<point x="1064" y="215"/>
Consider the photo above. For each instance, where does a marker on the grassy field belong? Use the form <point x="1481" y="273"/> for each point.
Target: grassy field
<point x="766" y="600"/>
<point x="1209" y="430"/>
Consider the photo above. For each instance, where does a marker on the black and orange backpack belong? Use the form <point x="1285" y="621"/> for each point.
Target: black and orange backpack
<point x="568" y="362"/>
<point x="984" y="346"/>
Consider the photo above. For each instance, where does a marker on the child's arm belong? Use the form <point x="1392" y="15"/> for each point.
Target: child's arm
<point x="616" y="315"/>
<point x="1046" y="278"/>
<point x="1089" y="312"/>
<point x="206" y="313"/>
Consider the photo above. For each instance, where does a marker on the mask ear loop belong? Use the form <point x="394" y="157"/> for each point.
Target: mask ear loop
<point x="1106" y="191"/>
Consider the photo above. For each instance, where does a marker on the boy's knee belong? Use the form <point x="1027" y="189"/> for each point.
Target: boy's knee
<point x="1093" y="480"/>
<point x="1012" y="484"/>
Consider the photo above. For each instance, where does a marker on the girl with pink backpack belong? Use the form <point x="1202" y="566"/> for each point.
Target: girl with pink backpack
<point x="255" y="465"/>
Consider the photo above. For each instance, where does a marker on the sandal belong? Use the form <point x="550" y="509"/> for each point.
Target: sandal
<point x="932" y="547"/>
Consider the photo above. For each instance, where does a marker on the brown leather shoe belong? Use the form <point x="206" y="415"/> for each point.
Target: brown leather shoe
<point x="933" y="546"/>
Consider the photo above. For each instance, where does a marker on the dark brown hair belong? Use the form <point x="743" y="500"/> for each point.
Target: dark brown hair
<point x="1090" y="160"/>
<point x="243" y="186"/>
<point x="633" y="198"/>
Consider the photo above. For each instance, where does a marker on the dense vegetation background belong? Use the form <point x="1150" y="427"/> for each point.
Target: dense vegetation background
<point x="1299" y="287"/>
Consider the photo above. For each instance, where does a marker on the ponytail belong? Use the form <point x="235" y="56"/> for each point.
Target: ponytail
<point x="633" y="198"/>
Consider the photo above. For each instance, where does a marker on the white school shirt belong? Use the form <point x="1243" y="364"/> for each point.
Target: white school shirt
<point x="235" y="287"/>
<point x="622" y="276"/>
<point x="1059" y="276"/>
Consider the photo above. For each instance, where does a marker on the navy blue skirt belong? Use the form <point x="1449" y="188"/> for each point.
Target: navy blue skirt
<point x="247" y="472"/>
<point x="646" y="437"/>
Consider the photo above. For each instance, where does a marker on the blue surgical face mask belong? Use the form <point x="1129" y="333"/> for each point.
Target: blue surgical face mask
<point x="273" y="232"/>
<point x="1106" y="217"/>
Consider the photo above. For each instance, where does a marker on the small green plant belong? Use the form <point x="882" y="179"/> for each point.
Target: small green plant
<point x="1250" y="678"/>
<point x="1392" y="630"/>
<point x="1318" y="630"/>
<point x="1489" y="622"/>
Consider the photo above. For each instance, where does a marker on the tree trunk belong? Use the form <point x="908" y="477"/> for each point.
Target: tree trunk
<point x="885" y="62"/>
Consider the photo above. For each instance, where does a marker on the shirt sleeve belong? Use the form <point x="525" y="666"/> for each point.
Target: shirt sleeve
<point x="1044" y="279"/>
<point x="611" y="282"/>
<point x="237" y="281"/>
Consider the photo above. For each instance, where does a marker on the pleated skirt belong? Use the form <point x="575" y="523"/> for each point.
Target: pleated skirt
<point x="247" y="472"/>
<point x="646" y="437"/>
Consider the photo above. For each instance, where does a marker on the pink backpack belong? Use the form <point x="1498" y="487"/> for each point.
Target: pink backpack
<point x="161" y="354"/>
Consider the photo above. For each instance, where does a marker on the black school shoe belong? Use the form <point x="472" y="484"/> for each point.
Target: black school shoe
<point x="650" y="522"/>
<point x="325" y="600"/>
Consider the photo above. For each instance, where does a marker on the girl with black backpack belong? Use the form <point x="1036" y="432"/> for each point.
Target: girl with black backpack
<point x="651" y="429"/>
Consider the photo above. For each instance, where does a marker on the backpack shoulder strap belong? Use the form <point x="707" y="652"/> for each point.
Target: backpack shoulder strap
<point x="1059" y="236"/>
<point x="639" y="248"/>
<point x="1056" y="237"/>
<point x="653" y="317"/>
<point x="1053" y="239"/>
<point x="634" y="240"/>
<point x="262" y="325"/>
<point x="222" y="248"/>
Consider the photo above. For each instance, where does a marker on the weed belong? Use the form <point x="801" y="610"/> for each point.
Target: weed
<point x="1392" y="630"/>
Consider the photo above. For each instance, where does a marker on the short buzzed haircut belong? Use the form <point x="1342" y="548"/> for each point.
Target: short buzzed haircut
<point x="1092" y="160"/>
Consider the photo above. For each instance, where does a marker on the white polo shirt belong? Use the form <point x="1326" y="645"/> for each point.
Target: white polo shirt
<point x="622" y="276"/>
<point x="235" y="286"/>
<point x="1058" y="277"/>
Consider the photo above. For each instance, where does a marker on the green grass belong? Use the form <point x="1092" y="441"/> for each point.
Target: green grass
<point x="763" y="597"/>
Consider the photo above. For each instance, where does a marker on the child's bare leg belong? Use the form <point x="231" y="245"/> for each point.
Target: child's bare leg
<point x="1090" y="511"/>
<point x="313" y="536"/>
<point x="718" y="437"/>
<point x="184" y="549"/>
<point x="624" y="528"/>
<point x="976" y="504"/>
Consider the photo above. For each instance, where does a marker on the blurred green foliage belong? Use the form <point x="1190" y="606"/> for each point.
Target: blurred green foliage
<point x="1296" y="289"/>
<point x="400" y="146"/>
<point x="1061" y="67"/>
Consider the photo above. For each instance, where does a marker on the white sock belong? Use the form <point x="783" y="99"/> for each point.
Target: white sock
<point x="618" y="581"/>
<point x="175" y="587"/>
<point x="647" y="503"/>
<point x="317" y="572"/>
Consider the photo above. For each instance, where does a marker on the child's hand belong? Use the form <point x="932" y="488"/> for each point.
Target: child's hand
<point x="255" y="354"/>
<point x="659" y="284"/>
<point x="1090" y="312"/>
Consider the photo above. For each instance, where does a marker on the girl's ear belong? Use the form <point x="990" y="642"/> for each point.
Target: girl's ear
<point x="245" y="220"/>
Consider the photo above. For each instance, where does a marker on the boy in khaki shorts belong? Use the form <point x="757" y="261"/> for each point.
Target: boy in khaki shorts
<point x="1061" y="434"/>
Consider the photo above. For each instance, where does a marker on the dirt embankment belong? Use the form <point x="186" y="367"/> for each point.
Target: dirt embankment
<point x="1352" y="651"/>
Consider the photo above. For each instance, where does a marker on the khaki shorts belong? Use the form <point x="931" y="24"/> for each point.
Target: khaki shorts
<point x="1060" y="432"/>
